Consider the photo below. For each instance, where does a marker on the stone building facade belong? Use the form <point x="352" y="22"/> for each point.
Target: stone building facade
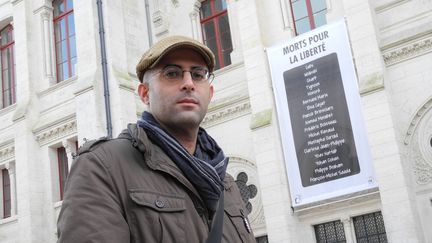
<point x="53" y="99"/>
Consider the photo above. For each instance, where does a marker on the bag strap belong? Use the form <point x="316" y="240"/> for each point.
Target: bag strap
<point x="215" y="234"/>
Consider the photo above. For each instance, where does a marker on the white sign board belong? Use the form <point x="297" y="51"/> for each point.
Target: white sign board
<point x="320" y="117"/>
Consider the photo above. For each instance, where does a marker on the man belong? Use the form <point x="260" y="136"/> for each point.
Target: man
<point x="162" y="178"/>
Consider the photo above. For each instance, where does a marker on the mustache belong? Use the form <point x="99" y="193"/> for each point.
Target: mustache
<point x="189" y="97"/>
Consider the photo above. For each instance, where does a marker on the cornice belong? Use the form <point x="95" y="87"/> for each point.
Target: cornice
<point x="55" y="130"/>
<point x="390" y="5"/>
<point x="403" y="52"/>
<point x="227" y="111"/>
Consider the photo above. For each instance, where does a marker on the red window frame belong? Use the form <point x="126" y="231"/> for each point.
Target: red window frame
<point x="57" y="22"/>
<point x="214" y="17"/>
<point x="9" y="46"/>
<point x="6" y="193"/>
<point x="310" y="15"/>
<point x="63" y="169"/>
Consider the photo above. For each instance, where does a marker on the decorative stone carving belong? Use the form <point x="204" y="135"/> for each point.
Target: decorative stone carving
<point x="7" y="152"/>
<point x="238" y="166"/>
<point x="226" y="112"/>
<point x="418" y="139"/>
<point x="55" y="131"/>
<point x="405" y="52"/>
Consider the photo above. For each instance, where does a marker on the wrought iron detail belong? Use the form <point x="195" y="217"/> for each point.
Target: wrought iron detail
<point x="262" y="239"/>
<point x="330" y="232"/>
<point x="369" y="228"/>
<point x="247" y="191"/>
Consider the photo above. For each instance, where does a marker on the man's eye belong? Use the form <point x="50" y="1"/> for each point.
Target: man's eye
<point x="198" y="75"/>
<point x="172" y="73"/>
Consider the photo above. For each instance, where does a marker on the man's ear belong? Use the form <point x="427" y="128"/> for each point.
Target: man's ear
<point x="211" y="91"/>
<point x="143" y="92"/>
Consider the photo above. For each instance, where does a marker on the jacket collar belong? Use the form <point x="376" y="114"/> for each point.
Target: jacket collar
<point x="154" y="157"/>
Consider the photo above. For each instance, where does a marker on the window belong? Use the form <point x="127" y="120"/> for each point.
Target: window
<point x="247" y="191"/>
<point x="7" y="64"/>
<point x="216" y="30"/>
<point x="64" y="32"/>
<point x="6" y="188"/>
<point x="330" y="232"/>
<point x="262" y="239"/>
<point x="370" y="228"/>
<point x="63" y="168"/>
<point x="308" y="14"/>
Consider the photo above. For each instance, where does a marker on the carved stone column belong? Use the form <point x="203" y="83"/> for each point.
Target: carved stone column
<point x="47" y="40"/>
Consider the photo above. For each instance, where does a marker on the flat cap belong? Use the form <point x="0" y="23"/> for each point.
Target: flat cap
<point x="151" y="57"/>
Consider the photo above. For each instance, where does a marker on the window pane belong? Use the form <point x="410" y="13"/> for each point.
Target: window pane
<point x="62" y="51"/>
<point x="62" y="29"/>
<point x="223" y="24"/>
<point x="58" y="7"/>
<point x="72" y="46"/>
<point x="65" y="70"/>
<point x="299" y="9"/>
<point x="302" y="26"/>
<point x="63" y="168"/>
<point x="205" y="9"/>
<point x="262" y="239"/>
<point x="209" y="31"/>
<point x="73" y="63"/>
<point x="4" y="36"/>
<point x="320" y="19"/>
<point x="318" y="5"/>
<point x="6" y="81"/>
<point x="330" y="232"/>
<point x="69" y="4"/>
<point x="211" y="43"/>
<point x="220" y="5"/>
<point x="71" y="24"/>
<point x="370" y="228"/>
<point x="6" y="194"/>
<point x="5" y="58"/>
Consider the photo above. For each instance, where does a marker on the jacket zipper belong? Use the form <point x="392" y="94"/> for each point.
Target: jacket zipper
<point x="245" y="221"/>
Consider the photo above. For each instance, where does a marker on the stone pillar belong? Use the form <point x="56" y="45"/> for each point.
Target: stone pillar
<point x="349" y="230"/>
<point x="195" y="21"/>
<point x="396" y="189"/>
<point x="89" y="99"/>
<point x="280" y="223"/>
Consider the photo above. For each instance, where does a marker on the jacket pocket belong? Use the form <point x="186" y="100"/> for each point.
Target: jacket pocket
<point x="239" y="220"/>
<point x="157" y="217"/>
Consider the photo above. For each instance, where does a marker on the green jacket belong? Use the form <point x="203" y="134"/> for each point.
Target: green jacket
<point x="128" y="190"/>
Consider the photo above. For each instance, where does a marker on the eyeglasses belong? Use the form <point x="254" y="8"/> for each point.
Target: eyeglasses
<point x="199" y="75"/>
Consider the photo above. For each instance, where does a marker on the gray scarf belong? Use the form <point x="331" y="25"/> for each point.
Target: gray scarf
<point x="205" y="169"/>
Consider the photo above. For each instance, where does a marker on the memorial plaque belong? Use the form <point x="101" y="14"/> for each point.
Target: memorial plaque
<point x="322" y="128"/>
<point x="320" y="121"/>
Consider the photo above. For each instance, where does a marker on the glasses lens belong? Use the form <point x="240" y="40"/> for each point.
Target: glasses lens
<point x="172" y="72"/>
<point x="200" y="74"/>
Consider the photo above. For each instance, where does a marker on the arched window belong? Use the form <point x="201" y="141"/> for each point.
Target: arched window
<point x="216" y="30"/>
<point x="65" y="44"/>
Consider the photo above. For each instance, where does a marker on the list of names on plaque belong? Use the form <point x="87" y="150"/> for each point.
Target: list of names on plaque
<point x="320" y="121"/>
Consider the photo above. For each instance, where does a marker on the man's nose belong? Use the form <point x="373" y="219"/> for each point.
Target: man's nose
<point x="188" y="82"/>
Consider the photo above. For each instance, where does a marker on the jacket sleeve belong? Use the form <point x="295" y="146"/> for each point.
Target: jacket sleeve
<point x="91" y="210"/>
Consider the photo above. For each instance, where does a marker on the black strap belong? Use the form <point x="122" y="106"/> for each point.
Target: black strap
<point x="215" y="235"/>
